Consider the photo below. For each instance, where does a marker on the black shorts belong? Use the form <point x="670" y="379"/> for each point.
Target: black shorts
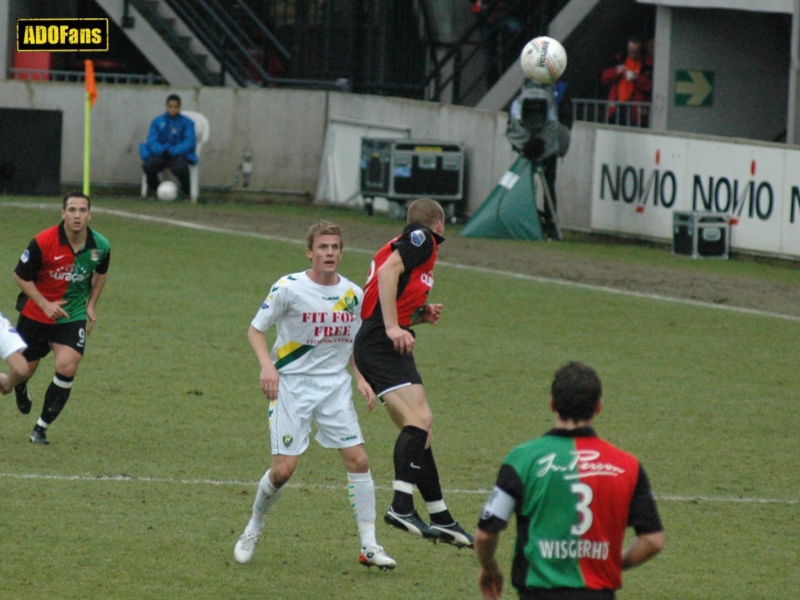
<point x="380" y="364"/>
<point x="566" y="594"/>
<point x="39" y="336"/>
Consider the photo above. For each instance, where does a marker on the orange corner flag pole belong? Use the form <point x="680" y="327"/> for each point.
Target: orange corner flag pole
<point x="91" y="98"/>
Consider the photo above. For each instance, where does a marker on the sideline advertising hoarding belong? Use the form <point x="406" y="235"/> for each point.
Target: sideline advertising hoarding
<point x="640" y="179"/>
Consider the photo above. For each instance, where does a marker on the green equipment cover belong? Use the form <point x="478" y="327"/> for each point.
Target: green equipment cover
<point x="510" y="210"/>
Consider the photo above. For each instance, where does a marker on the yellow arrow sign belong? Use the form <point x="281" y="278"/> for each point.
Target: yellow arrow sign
<point x="694" y="88"/>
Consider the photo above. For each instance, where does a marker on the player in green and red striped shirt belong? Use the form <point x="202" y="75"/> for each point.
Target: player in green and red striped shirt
<point x="61" y="274"/>
<point x="573" y="495"/>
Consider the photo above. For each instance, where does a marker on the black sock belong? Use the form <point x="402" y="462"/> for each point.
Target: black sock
<point x="408" y="451"/>
<point x="56" y="397"/>
<point x="431" y="489"/>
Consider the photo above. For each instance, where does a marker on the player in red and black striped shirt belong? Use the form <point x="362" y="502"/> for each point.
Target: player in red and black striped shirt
<point x="395" y="298"/>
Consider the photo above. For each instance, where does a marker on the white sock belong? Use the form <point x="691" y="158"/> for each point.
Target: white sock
<point x="266" y="495"/>
<point x="361" y="490"/>
<point x="41" y="423"/>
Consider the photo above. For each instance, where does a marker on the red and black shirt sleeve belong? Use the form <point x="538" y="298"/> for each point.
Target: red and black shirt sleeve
<point x="415" y="246"/>
<point x="28" y="270"/>
<point x="643" y="515"/>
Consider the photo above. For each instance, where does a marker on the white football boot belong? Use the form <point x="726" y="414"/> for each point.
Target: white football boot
<point x="246" y="546"/>
<point x="375" y="556"/>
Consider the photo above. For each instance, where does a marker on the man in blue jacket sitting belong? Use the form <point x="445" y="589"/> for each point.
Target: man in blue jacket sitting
<point x="170" y="144"/>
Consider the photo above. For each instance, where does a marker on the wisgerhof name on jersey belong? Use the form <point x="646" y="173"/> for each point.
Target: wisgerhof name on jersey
<point x="573" y="548"/>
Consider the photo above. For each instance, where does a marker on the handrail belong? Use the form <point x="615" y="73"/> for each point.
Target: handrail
<point x="489" y="32"/>
<point x="232" y="32"/>
<point x="234" y="64"/>
<point x="273" y="40"/>
<point x="205" y="34"/>
<point x="236" y="40"/>
<point x="456" y="48"/>
<point x="237" y="35"/>
<point x="79" y="76"/>
<point x="627" y="114"/>
<point x="173" y="40"/>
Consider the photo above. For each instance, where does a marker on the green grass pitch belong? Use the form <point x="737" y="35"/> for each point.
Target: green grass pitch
<point x="151" y="470"/>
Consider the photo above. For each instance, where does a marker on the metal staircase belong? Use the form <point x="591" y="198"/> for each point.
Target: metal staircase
<point x="474" y="62"/>
<point x="235" y="37"/>
<point x="172" y="29"/>
<point x="199" y="42"/>
<point x="389" y="47"/>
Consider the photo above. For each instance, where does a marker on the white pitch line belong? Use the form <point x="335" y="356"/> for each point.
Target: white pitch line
<point x="546" y="280"/>
<point x="485" y="270"/>
<point x="252" y="484"/>
<point x="600" y="288"/>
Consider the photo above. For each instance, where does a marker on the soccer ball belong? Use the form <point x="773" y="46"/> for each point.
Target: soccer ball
<point x="543" y="59"/>
<point x="167" y="191"/>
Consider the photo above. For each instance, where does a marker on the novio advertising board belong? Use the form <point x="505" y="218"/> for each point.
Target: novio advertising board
<point x="640" y="179"/>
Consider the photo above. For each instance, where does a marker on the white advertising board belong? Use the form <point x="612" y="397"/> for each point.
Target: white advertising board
<point x="790" y="222"/>
<point x="638" y="183"/>
<point x="640" y="179"/>
<point x="743" y="182"/>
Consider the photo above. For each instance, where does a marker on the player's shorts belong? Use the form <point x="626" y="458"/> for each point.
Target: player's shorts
<point x="324" y="399"/>
<point x="39" y="336"/>
<point x="380" y="364"/>
<point x="10" y="340"/>
<point x="566" y="594"/>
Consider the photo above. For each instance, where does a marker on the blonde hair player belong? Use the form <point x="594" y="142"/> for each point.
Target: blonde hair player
<point x="316" y="313"/>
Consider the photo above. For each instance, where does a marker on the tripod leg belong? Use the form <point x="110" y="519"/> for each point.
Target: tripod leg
<point x="535" y="187"/>
<point x="548" y="199"/>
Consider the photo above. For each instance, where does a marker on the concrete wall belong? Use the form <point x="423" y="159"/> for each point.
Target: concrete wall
<point x="749" y="55"/>
<point x="284" y="129"/>
<point x="574" y="178"/>
<point x="488" y="153"/>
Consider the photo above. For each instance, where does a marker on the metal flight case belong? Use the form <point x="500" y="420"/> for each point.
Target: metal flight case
<point x="402" y="170"/>
<point x="700" y="234"/>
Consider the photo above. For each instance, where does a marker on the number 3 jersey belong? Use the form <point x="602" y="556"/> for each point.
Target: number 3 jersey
<point x="316" y="324"/>
<point x="573" y="495"/>
<point x="61" y="274"/>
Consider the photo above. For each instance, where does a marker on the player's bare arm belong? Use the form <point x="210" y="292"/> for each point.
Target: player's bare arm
<point x="269" y="374"/>
<point x="642" y="549"/>
<point x="388" y="276"/>
<point x="363" y="386"/>
<point x="98" y="283"/>
<point x="53" y="310"/>
<point x="430" y="314"/>
<point x="490" y="579"/>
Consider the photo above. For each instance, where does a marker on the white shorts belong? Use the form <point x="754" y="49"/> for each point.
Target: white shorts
<point x="10" y="341"/>
<point x="326" y="399"/>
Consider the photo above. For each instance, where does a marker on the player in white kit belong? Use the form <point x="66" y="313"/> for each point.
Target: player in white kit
<point x="11" y="347"/>
<point x="316" y="314"/>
